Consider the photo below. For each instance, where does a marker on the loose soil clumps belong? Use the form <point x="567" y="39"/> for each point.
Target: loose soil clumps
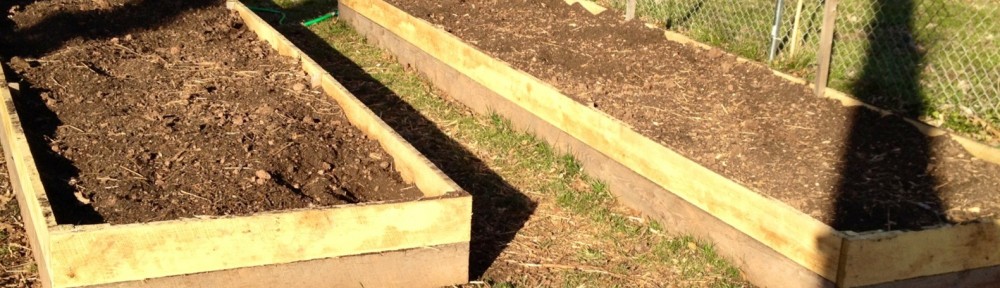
<point x="158" y="110"/>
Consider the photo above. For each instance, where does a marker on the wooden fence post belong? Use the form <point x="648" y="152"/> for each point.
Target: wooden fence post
<point x="796" y="36"/>
<point x="630" y="10"/>
<point x="826" y="46"/>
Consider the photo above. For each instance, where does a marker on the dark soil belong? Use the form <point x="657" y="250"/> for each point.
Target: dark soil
<point x="848" y="167"/>
<point x="158" y="110"/>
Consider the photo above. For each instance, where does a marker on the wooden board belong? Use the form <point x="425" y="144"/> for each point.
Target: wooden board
<point x="404" y="268"/>
<point x="793" y="234"/>
<point x="889" y="256"/>
<point x="25" y="181"/>
<point x="158" y="249"/>
<point x="825" y="46"/>
<point x="759" y="263"/>
<point x="437" y="227"/>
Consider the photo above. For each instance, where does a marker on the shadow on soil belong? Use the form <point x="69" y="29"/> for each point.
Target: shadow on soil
<point x="100" y="20"/>
<point x="47" y="35"/>
<point x="499" y="209"/>
<point x="885" y="179"/>
<point x="106" y="21"/>
<point x="55" y="170"/>
<point x="886" y="154"/>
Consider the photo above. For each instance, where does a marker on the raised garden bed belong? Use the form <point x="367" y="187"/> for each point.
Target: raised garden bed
<point x="189" y="154"/>
<point x="799" y="191"/>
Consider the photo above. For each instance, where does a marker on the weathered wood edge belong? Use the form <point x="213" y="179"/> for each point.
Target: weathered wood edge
<point x="799" y="237"/>
<point x="895" y="255"/>
<point x="435" y="266"/>
<point x="759" y="263"/>
<point x="26" y="183"/>
<point x="412" y="165"/>
<point x="94" y="255"/>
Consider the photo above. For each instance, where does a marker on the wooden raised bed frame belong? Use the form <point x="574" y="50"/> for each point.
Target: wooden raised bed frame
<point x="774" y="244"/>
<point x="422" y="243"/>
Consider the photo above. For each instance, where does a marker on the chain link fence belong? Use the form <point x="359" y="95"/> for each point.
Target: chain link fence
<point x="938" y="58"/>
<point x="935" y="59"/>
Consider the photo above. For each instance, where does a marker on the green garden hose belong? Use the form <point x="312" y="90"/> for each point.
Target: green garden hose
<point x="259" y="9"/>
<point x="322" y="18"/>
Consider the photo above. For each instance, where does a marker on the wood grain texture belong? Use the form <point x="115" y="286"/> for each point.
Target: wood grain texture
<point x="93" y="255"/>
<point x="759" y="263"/>
<point x="890" y="256"/>
<point x="790" y="232"/>
<point x="26" y="183"/>
<point x="403" y="268"/>
<point x="825" y="46"/>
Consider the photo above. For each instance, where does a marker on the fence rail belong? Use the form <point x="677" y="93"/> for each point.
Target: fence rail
<point x="934" y="59"/>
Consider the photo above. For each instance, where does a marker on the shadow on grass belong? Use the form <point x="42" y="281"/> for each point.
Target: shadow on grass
<point x="499" y="209"/>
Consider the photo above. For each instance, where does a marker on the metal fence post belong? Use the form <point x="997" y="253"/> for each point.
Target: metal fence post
<point x="775" y="29"/>
<point x="826" y="46"/>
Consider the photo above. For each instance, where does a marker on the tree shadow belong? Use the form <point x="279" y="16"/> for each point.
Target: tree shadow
<point x="6" y="24"/>
<point x="499" y="209"/>
<point x="885" y="183"/>
<point x="52" y="32"/>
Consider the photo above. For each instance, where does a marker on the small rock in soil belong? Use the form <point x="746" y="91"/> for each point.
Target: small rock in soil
<point x="261" y="174"/>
